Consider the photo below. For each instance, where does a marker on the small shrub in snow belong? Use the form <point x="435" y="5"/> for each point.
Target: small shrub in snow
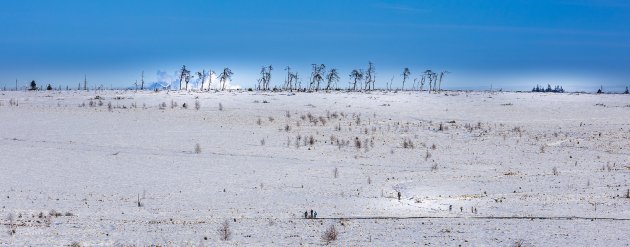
<point x="54" y="213"/>
<point x="407" y="143"/>
<point x="140" y="204"/>
<point x="11" y="225"/>
<point x="225" y="233"/>
<point x="330" y="235"/>
<point x="197" y="148"/>
<point x="555" y="171"/>
<point x="519" y="243"/>
<point x="197" y="105"/>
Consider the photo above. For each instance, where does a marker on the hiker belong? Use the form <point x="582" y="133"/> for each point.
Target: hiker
<point x="315" y="214"/>
<point x="311" y="213"/>
<point x="399" y="195"/>
<point x="306" y="214"/>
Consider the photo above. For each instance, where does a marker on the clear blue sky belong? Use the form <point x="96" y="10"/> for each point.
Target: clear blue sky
<point x="510" y="44"/>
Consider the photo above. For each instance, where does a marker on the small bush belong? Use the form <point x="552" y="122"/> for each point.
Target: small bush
<point x="519" y="243"/>
<point x="197" y="148"/>
<point x="330" y="234"/>
<point x="54" y="213"/>
<point x="11" y="226"/>
<point x="225" y="233"/>
<point x="197" y="105"/>
<point x="407" y="143"/>
<point x="357" y="143"/>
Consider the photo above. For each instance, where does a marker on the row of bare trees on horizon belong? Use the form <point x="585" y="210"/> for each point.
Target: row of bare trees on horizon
<point x="320" y="78"/>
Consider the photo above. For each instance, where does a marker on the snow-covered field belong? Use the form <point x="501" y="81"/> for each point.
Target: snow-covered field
<point x="544" y="169"/>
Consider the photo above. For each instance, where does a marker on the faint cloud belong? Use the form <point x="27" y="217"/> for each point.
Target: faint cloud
<point x="400" y="8"/>
<point x="521" y="29"/>
<point x="598" y="3"/>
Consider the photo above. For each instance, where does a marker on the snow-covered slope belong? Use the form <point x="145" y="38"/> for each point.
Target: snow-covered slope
<point x="472" y="169"/>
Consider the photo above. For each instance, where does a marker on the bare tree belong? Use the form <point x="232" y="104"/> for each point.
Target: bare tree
<point x="405" y="75"/>
<point x="428" y="74"/>
<point x="357" y="76"/>
<point x="289" y="79"/>
<point x="370" y="76"/>
<point x="317" y="76"/>
<point x="292" y="80"/>
<point x="184" y="76"/>
<point x="85" y="83"/>
<point x="333" y="76"/>
<point x="265" y="78"/>
<point x="442" y="74"/>
<point x="389" y="85"/>
<point x="202" y="77"/>
<point x="434" y="78"/>
<point x="225" y="76"/>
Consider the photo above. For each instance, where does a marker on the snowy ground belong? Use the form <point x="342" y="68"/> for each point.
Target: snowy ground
<point x="544" y="169"/>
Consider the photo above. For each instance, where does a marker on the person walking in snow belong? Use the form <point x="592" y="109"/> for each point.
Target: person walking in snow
<point x="311" y="213"/>
<point x="306" y="214"/>
<point x="315" y="215"/>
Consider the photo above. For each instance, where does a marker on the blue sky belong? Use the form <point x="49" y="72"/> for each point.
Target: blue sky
<point x="511" y="44"/>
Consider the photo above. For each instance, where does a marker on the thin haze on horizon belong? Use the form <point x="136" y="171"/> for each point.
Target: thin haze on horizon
<point x="510" y="44"/>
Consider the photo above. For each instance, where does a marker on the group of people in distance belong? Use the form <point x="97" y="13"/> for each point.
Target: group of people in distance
<point x="313" y="214"/>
